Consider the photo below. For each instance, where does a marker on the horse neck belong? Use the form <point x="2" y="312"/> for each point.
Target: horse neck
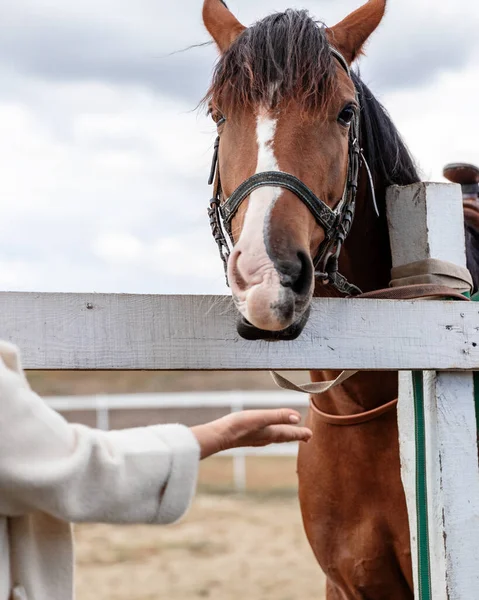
<point x="366" y="256"/>
<point x="365" y="261"/>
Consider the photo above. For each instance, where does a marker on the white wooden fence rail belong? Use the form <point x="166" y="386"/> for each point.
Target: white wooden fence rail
<point x="234" y="401"/>
<point x="128" y="332"/>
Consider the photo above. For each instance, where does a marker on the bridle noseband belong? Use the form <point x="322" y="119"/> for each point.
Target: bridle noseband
<point x="335" y="223"/>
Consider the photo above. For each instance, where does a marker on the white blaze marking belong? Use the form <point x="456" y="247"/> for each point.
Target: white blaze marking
<point x="265" y="132"/>
<point x="263" y="199"/>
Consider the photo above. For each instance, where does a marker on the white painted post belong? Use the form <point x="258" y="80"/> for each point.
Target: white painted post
<point x="239" y="458"/>
<point x="102" y="413"/>
<point x="426" y="221"/>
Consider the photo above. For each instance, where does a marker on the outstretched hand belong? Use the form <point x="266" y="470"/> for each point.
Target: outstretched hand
<point x="250" y="428"/>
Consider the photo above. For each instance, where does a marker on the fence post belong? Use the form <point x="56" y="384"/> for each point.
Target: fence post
<point x="437" y="415"/>
<point x="102" y="413"/>
<point x="239" y="457"/>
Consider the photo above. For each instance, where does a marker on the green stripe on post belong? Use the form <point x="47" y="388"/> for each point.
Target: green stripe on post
<point x="424" y="561"/>
<point x="475" y="298"/>
<point x="476" y="400"/>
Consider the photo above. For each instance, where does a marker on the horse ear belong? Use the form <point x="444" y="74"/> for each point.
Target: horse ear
<point x="222" y="25"/>
<point x="350" y="35"/>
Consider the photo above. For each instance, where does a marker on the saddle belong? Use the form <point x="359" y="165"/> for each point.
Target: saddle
<point x="467" y="176"/>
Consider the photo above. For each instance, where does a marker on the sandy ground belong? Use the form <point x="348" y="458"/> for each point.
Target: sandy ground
<point x="227" y="548"/>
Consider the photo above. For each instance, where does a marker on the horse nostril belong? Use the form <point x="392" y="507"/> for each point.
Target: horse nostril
<point x="234" y="271"/>
<point x="296" y="274"/>
<point x="289" y="271"/>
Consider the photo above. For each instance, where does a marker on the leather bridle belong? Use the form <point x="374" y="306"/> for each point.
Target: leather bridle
<point x="336" y="222"/>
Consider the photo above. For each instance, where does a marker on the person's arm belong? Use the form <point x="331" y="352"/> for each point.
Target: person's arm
<point x="75" y="473"/>
<point x="141" y="475"/>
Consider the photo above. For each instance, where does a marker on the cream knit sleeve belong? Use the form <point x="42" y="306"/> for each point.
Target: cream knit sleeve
<point x="79" y="474"/>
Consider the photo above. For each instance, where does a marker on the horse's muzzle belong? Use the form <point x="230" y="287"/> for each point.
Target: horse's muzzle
<point x="252" y="333"/>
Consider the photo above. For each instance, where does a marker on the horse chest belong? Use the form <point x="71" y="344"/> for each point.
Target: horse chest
<point x="354" y="510"/>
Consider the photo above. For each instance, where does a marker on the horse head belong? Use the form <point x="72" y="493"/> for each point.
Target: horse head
<point x="287" y="113"/>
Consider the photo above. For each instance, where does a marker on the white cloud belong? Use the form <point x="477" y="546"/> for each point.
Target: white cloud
<point x="126" y="160"/>
<point x="16" y="274"/>
<point x="438" y="121"/>
<point x="119" y="248"/>
<point x="103" y="171"/>
<point x="177" y="256"/>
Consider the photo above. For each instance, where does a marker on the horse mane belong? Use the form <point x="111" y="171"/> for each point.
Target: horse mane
<point x="284" y="56"/>
<point x="392" y="164"/>
<point x="287" y="56"/>
<point x="384" y="149"/>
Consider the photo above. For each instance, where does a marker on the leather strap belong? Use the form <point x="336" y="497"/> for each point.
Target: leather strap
<point x="340" y="58"/>
<point x="415" y="292"/>
<point x="432" y="271"/>
<point x="326" y="217"/>
<point x="311" y="388"/>
<point x="325" y="386"/>
<point x="349" y="420"/>
<point x="418" y="271"/>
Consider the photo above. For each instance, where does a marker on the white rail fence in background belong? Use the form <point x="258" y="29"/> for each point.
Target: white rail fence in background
<point x="235" y="401"/>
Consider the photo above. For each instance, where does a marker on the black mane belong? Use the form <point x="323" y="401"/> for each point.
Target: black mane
<point x="288" y="52"/>
<point x="392" y="164"/>
<point x="384" y="149"/>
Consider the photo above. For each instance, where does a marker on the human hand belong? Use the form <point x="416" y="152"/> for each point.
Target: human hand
<point x="250" y="428"/>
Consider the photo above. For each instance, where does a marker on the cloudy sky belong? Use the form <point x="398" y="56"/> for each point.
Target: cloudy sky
<point x="104" y="159"/>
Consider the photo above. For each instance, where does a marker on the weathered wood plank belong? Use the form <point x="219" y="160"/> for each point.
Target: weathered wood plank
<point x="452" y="436"/>
<point x="89" y="331"/>
<point x="407" y="445"/>
<point x="426" y="221"/>
<point x="452" y="480"/>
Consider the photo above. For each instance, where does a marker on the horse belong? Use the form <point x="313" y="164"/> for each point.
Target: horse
<point x="303" y="147"/>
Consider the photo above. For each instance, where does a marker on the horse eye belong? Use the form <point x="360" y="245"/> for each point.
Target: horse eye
<point x="346" y="116"/>
<point x="217" y="117"/>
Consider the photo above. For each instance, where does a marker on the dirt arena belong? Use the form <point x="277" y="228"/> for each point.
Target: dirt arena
<point x="227" y="548"/>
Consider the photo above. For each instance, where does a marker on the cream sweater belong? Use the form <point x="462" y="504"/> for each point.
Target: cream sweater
<point x="53" y="473"/>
